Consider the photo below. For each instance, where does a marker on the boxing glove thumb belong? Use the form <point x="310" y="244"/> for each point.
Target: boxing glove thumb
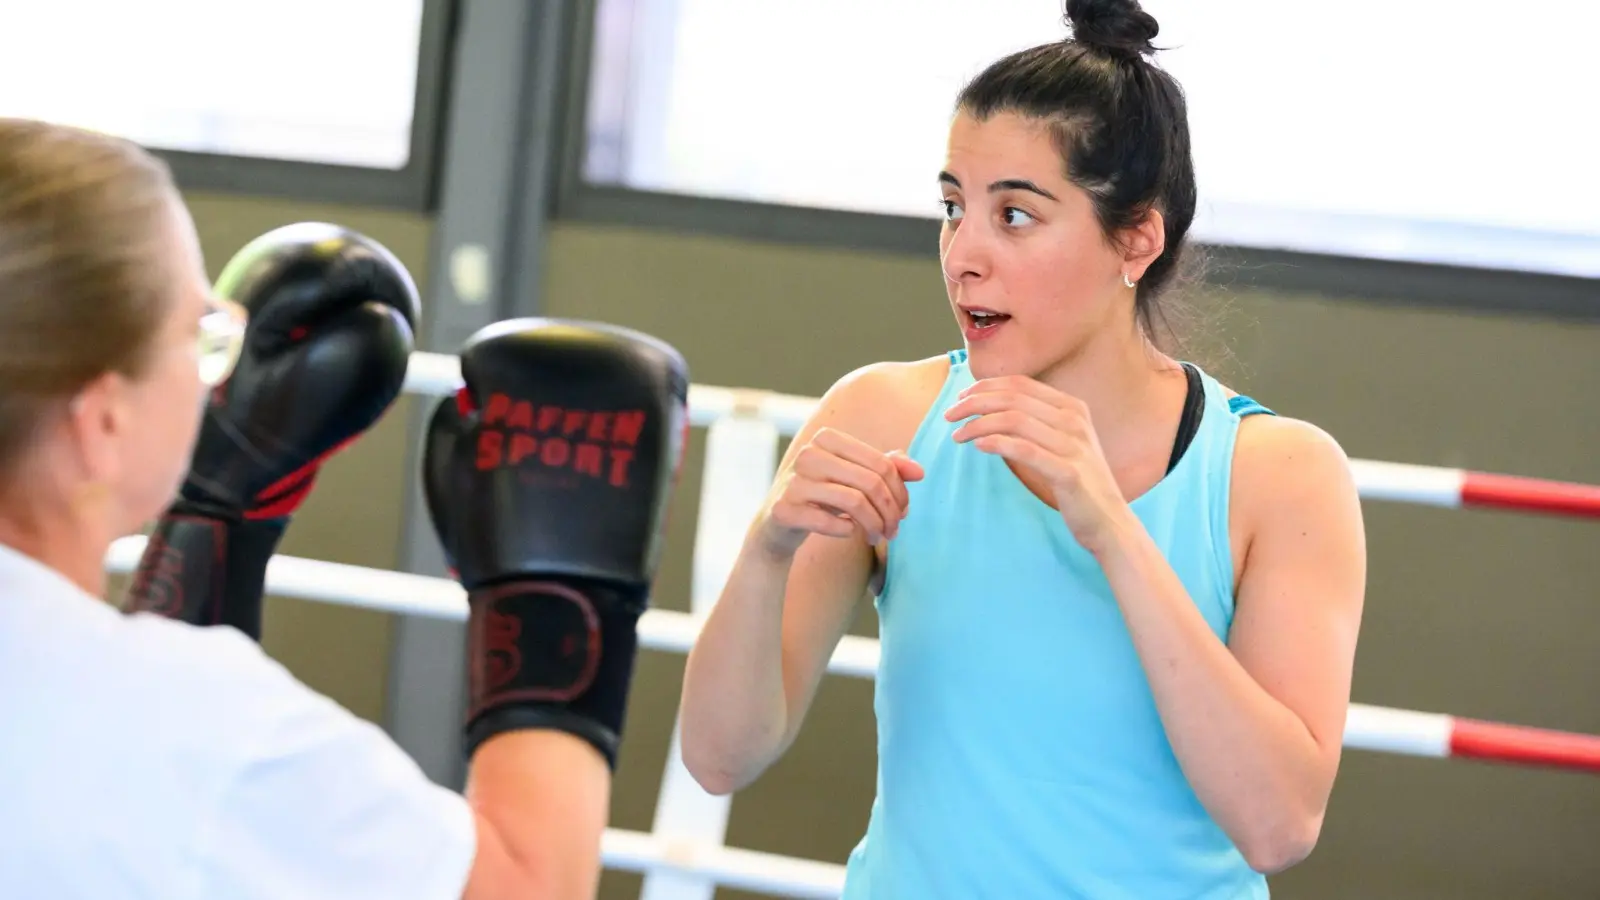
<point x="447" y="427"/>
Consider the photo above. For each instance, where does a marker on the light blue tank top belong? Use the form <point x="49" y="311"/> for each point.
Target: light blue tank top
<point x="1020" y="754"/>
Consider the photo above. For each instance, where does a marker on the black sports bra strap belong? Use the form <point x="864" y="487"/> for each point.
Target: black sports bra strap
<point x="1193" y="408"/>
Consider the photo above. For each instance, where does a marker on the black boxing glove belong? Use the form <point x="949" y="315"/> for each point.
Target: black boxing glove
<point x="325" y="353"/>
<point x="548" y="478"/>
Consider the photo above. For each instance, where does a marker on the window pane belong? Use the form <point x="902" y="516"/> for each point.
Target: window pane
<point x="1415" y="130"/>
<point x="324" y="81"/>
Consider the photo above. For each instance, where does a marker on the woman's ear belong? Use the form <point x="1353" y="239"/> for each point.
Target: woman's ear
<point x="1143" y="243"/>
<point x="99" y="420"/>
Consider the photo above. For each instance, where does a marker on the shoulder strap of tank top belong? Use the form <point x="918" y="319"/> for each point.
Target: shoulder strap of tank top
<point x="1246" y="406"/>
<point x="1194" y="405"/>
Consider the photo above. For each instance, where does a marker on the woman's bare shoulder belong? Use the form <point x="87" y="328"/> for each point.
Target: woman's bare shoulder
<point x="883" y="403"/>
<point x="1282" y="461"/>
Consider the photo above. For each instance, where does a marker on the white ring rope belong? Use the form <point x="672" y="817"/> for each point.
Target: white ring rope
<point x="1406" y="483"/>
<point x="1368" y="727"/>
<point x="437" y="374"/>
<point x="428" y="597"/>
<point x="748" y="870"/>
<point x="1378" y="728"/>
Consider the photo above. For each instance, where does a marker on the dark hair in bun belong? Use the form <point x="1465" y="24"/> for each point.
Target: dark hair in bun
<point x="1114" y="26"/>
<point x="1121" y="123"/>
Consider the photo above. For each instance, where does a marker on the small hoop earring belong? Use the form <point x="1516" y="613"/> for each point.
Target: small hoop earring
<point x="1125" y="281"/>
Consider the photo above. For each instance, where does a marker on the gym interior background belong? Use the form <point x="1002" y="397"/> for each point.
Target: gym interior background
<point x="518" y="156"/>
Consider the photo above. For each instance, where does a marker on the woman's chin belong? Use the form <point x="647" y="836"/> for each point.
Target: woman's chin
<point x="985" y="361"/>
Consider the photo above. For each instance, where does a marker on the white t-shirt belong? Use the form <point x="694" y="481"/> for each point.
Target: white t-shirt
<point x="142" y="758"/>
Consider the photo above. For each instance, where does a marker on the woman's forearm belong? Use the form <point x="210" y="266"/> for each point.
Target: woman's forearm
<point x="1252" y="762"/>
<point x="733" y="712"/>
<point x="541" y="799"/>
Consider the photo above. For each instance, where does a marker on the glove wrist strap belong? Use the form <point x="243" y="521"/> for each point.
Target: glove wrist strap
<point x="203" y="569"/>
<point x="551" y="654"/>
<point x="509" y="719"/>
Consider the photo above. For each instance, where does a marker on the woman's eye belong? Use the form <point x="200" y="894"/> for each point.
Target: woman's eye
<point x="1014" y="216"/>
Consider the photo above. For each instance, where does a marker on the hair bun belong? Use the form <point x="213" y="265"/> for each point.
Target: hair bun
<point x="1117" y="26"/>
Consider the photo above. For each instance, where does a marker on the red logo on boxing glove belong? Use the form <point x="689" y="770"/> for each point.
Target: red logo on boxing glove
<point x="597" y="444"/>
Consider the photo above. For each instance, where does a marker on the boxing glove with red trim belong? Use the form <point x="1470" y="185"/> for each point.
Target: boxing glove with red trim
<point x="548" y="479"/>
<point x="330" y="333"/>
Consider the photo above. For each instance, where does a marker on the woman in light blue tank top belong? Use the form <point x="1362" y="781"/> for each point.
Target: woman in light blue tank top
<point x="1118" y="603"/>
<point x="1060" y="783"/>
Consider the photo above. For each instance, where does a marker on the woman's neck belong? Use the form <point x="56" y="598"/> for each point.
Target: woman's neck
<point x="50" y="534"/>
<point x="1127" y="384"/>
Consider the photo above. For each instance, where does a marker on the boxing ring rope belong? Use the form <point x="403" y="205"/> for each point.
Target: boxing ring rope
<point x="685" y="856"/>
<point x="440" y="374"/>
<point x="1375" y="728"/>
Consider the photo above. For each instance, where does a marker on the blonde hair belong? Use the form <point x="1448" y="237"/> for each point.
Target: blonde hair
<point x="83" y="283"/>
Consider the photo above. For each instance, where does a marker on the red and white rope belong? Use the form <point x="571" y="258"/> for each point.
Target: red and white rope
<point x="1368" y="727"/>
<point x="1435" y="734"/>
<point x="440" y="374"/>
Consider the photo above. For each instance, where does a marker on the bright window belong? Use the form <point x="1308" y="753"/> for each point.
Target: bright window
<point x="1431" y="130"/>
<point x="322" y="81"/>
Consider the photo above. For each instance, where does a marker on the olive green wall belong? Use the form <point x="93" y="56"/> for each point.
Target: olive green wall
<point x="1482" y="614"/>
